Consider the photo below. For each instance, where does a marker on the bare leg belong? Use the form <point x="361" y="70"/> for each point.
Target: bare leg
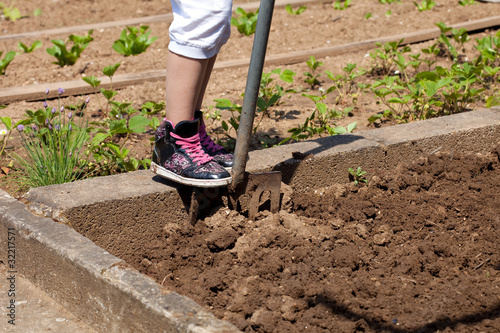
<point x="186" y="77"/>
<point x="206" y="78"/>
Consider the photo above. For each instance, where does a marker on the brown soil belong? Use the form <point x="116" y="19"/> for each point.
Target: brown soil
<point x="319" y="26"/>
<point x="416" y="250"/>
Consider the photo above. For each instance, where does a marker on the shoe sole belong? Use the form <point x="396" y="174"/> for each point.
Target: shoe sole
<point x="161" y="171"/>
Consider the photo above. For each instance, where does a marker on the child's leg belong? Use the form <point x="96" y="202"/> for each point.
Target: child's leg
<point x="197" y="33"/>
<point x="186" y="82"/>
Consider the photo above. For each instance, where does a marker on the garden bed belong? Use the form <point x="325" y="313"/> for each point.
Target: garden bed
<point x="414" y="250"/>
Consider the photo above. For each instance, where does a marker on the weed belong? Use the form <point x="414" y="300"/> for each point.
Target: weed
<point x="357" y="176"/>
<point x="246" y="22"/>
<point x="65" y="57"/>
<point x="299" y="11"/>
<point x="28" y="49"/>
<point x="6" y="60"/>
<point x="133" y="41"/>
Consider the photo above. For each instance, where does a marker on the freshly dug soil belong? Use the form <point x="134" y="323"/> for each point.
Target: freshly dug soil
<point x="415" y="250"/>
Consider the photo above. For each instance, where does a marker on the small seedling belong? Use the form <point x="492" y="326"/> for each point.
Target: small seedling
<point x="312" y="77"/>
<point x="10" y="12"/>
<point x="467" y="2"/>
<point x="368" y="15"/>
<point x="28" y="49"/>
<point x="133" y="41"/>
<point x="357" y="176"/>
<point x="246" y="22"/>
<point x="299" y="11"/>
<point x="388" y="2"/>
<point x="6" y="60"/>
<point x="341" y="5"/>
<point x="425" y="5"/>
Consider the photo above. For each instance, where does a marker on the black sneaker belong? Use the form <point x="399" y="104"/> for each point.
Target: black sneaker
<point x="220" y="155"/>
<point x="179" y="156"/>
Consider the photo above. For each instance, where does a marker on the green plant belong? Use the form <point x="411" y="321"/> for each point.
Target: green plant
<point x="345" y="84"/>
<point x="467" y="2"/>
<point x="459" y="37"/>
<point x="6" y="61"/>
<point x="53" y="146"/>
<point x="5" y="133"/>
<point x="312" y="77"/>
<point x="69" y="57"/>
<point x="299" y="11"/>
<point x="388" y="13"/>
<point x="368" y="15"/>
<point x="109" y="71"/>
<point x="425" y="5"/>
<point x="246" y="22"/>
<point x="270" y="93"/>
<point x="133" y="41"/>
<point x="10" y="12"/>
<point x="388" y="2"/>
<point x="357" y="176"/>
<point x="28" y="49"/>
<point x="384" y="57"/>
<point x="341" y="5"/>
<point x="318" y="123"/>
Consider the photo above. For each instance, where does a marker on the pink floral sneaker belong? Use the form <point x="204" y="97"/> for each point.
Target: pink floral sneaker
<point x="178" y="155"/>
<point x="220" y="154"/>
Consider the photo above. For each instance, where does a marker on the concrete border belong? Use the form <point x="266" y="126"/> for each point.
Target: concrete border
<point x="110" y="295"/>
<point x="96" y="286"/>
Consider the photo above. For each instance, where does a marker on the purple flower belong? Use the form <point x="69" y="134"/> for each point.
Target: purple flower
<point x="57" y="127"/>
<point x="87" y="100"/>
<point x="60" y="91"/>
<point x="50" y="127"/>
<point x="20" y="128"/>
<point x="62" y="109"/>
<point x="45" y="104"/>
<point x="46" y="121"/>
<point x="53" y="110"/>
<point x="70" y="127"/>
<point x="47" y="91"/>
<point x="34" y="127"/>
<point x="70" y="114"/>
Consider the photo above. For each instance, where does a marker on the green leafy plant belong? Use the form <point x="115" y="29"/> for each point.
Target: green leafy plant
<point x="109" y="94"/>
<point x="317" y="124"/>
<point x="467" y="2"/>
<point x="459" y="38"/>
<point x="299" y="11"/>
<point x="368" y="15"/>
<point x="246" y="22"/>
<point x="5" y="133"/>
<point x="341" y="5"/>
<point x="384" y="57"/>
<point x="6" y="60"/>
<point x="388" y="2"/>
<point x="10" y="12"/>
<point x="425" y="5"/>
<point x="312" y="77"/>
<point x="28" y="49"/>
<point x="345" y="84"/>
<point x="357" y="176"/>
<point x="133" y="41"/>
<point x="69" y="57"/>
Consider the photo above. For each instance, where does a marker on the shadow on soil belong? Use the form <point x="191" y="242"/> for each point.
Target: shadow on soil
<point x="366" y="323"/>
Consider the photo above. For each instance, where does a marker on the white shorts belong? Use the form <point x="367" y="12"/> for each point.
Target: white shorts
<point x="200" y="27"/>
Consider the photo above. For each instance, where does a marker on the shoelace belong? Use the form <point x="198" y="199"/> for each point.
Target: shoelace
<point x="193" y="147"/>
<point x="207" y="141"/>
